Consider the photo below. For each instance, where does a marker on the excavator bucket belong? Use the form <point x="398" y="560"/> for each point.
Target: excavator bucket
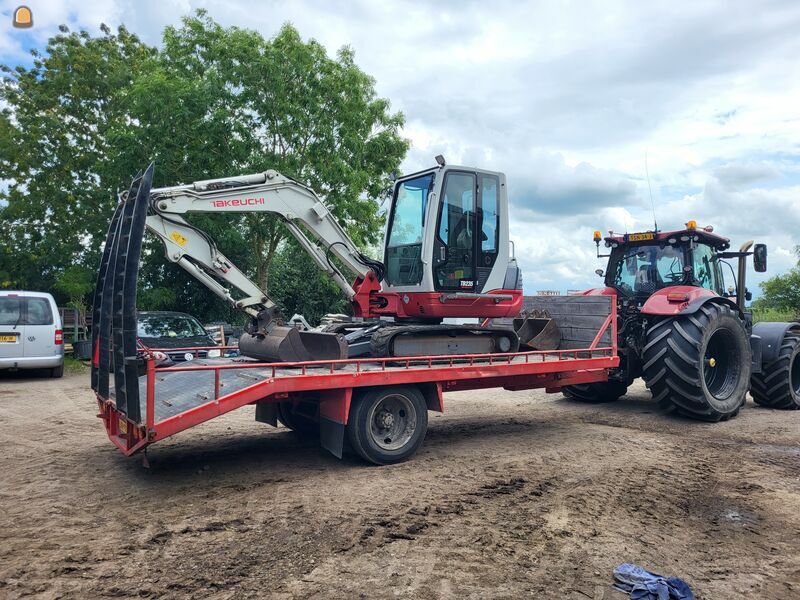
<point x="289" y="344"/>
<point x="114" y="341"/>
<point x="537" y="331"/>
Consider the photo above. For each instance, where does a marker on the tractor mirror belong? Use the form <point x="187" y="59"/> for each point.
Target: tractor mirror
<point x="599" y="272"/>
<point x="760" y="257"/>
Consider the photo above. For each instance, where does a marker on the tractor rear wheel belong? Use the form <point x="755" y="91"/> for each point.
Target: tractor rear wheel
<point x="778" y="384"/>
<point x="604" y="391"/>
<point x="699" y="364"/>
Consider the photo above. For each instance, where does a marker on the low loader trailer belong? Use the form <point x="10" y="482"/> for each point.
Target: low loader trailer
<point x="375" y="406"/>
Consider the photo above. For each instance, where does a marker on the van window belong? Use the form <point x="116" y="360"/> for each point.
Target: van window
<point x="9" y="310"/>
<point x="38" y="311"/>
<point x="35" y="311"/>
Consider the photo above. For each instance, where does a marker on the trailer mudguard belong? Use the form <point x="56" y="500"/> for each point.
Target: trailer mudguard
<point x="334" y="410"/>
<point x="771" y="335"/>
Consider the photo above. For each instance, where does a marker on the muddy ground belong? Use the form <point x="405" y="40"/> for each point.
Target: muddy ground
<point x="513" y="494"/>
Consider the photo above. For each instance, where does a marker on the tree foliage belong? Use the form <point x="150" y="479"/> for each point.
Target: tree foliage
<point x="782" y="292"/>
<point x="211" y="101"/>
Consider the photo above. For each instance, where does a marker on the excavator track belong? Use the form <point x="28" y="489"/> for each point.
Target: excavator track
<point x="432" y="340"/>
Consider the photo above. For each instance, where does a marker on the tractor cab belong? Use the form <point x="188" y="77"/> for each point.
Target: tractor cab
<point x="640" y="264"/>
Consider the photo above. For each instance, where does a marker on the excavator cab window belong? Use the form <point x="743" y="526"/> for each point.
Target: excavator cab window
<point x="403" y="258"/>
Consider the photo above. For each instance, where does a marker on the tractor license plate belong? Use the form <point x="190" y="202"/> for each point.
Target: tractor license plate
<point x="8" y="339"/>
<point x="639" y="237"/>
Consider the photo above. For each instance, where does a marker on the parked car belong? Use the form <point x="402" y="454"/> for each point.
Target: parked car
<point x="30" y="332"/>
<point x="166" y="329"/>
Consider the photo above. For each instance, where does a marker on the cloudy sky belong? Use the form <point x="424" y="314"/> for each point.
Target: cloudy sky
<point x="566" y="98"/>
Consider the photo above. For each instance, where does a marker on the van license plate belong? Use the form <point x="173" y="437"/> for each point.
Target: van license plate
<point x="8" y="339"/>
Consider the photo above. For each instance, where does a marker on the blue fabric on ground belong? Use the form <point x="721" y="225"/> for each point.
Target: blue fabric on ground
<point x="641" y="584"/>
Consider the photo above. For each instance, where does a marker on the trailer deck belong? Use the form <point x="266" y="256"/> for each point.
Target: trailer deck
<point x="176" y="398"/>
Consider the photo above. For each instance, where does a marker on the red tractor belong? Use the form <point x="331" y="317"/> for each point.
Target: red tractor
<point x="691" y="338"/>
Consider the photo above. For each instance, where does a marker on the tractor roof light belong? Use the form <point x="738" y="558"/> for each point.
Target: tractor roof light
<point x="708" y="229"/>
<point x="597" y="236"/>
<point x="691" y="224"/>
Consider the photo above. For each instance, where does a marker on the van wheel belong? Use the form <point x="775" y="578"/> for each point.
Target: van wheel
<point x="387" y="425"/>
<point x="57" y="372"/>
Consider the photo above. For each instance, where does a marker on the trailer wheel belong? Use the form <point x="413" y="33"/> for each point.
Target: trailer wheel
<point x="699" y="365"/>
<point x="603" y="391"/>
<point x="387" y="425"/>
<point x="297" y="420"/>
<point x="778" y="384"/>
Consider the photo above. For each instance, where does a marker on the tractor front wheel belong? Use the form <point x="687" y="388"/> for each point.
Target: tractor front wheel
<point x="604" y="391"/>
<point x="699" y="364"/>
<point x="778" y="384"/>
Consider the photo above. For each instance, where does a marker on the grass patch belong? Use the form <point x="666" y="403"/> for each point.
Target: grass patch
<point x="772" y="315"/>
<point x="73" y="365"/>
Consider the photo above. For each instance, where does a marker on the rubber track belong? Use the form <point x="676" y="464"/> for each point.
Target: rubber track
<point x="672" y="361"/>
<point x="381" y="343"/>
<point x="772" y="387"/>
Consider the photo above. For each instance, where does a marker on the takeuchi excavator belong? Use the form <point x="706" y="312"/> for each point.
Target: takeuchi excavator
<point x="447" y="254"/>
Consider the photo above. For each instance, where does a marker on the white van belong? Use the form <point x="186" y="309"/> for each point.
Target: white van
<point x="30" y="332"/>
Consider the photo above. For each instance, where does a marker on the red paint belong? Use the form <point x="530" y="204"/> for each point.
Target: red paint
<point x="704" y="236"/>
<point x="335" y="405"/>
<point x="660" y="304"/>
<point x="603" y="291"/>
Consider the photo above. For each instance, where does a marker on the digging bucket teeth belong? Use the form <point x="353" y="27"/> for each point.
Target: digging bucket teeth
<point x="114" y="340"/>
<point x="538" y="331"/>
<point x="289" y="344"/>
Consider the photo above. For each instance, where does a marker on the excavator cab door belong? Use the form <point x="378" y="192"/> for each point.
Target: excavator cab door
<point x="467" y="229"/>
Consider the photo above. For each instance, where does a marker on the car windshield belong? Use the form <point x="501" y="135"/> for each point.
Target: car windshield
<point x="169" y="326"/>
<point x="646" y="268"/>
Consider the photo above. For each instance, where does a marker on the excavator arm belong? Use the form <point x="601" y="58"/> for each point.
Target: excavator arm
<point x="290" y="201"/>
<point x="307" y="219"/>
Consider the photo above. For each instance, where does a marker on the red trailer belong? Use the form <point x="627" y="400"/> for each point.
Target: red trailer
<point x="376" y="405"/>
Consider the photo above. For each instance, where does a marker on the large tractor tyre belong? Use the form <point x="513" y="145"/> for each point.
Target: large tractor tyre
<point x="387" y="425"/>
<point x="604" y="391"/>
<point x="699" y="365"/>
<point x="295" y="418"/>
<point x="778" y="384"/>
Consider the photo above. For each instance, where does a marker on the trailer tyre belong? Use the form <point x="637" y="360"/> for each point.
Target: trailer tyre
<point x="778" y="384"/>
<point x="296" y="419"/>
<point x="387" y="425"/>
<point x="699" y="364"/>
<point x="604" y="391"/>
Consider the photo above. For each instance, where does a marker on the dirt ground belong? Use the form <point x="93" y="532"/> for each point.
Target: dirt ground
<point x="513" y="494"/>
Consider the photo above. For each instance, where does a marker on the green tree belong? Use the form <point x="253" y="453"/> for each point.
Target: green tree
<point x="782" y="292"/>
<point x="212" y="101"/>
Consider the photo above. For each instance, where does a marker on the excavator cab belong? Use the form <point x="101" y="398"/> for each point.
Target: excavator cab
<point x="447" y="245"/>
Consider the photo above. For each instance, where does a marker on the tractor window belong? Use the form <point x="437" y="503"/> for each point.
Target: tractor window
<point x="706" y="268"/>
<point x="644" y="269"/>
<point x="406" y="227"/>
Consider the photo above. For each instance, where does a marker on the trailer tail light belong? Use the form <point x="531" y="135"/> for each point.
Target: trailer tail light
<point x="59" y="337"/>
<point x="677" y="297"/>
